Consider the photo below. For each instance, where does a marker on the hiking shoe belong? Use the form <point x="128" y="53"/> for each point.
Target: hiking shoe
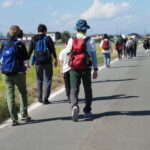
<point x="88" y="115"/>
<point x="40" y="100"/>
<point x="25" y="118"/>
<point x="69" y="101"/>
<point x="75" y="111"/>
<point x="14" y="123"/>
<point x="46" y="102"/>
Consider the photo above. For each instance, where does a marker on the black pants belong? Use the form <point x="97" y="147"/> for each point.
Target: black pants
<point x="134" y="52"/>
<point x="130" y="52"/>
<point x="119" y="54"/>
<point x="75" y="79"/>
<point x="67" y="83"/>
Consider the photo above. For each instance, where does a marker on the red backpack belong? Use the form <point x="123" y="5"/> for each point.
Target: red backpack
<point x="105" y="45"/>
<point x="79" y="58"/>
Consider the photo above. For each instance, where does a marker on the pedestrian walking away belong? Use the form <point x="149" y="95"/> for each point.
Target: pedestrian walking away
<point x="44" y="49"/>
<point x="106" y="47"/>
<point x="14" y="62"/>
<point x="135" y="44"/>
<point x="124" y="37"/>
<point x="130" y="48"/>
<point x="119" y="47"/>
<point x="65" y="70"/>
<point x="146" y="45"/>
<point x="82" y="56"/>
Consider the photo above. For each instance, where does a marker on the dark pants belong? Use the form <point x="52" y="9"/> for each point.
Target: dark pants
<point x="134" y="52"/>
<point x="75" y="79"/>
<point x="67" y="83"/>
<point x="44" y="74"/>
<point x="119" y="53"/>
<point x="130" y="52"/>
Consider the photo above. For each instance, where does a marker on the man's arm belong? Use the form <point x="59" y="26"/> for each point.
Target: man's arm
<point x="91" y="48"/>
<point x="31" y="47"/>
<point x="51" y="47"/>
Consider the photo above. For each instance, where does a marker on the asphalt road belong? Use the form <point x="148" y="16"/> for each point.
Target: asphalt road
<point x="121" y="121"/>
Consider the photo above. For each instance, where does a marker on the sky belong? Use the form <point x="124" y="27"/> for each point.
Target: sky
<point x="103" y="16"/>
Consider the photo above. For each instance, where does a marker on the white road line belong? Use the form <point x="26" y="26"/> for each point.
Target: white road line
<point x="36" y="105"/>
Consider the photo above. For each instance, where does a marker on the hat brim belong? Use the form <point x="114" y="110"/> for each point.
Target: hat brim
<point x="83" y="28"/>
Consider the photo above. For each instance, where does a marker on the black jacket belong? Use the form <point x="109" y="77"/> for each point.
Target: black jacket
<point x="49" y="42"/>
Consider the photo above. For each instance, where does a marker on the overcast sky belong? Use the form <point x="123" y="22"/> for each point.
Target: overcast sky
<point x="104" y="16"/>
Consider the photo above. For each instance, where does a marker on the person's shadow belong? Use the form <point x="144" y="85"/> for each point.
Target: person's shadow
<point x="117" y="80"/>
<point x="121" y="113"/>
<point x="82" y="118"/>
<point x="95" y="116"/>
<point x="102" y="98"/>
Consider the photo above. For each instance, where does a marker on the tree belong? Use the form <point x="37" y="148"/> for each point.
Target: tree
<point x="65" y="36"/>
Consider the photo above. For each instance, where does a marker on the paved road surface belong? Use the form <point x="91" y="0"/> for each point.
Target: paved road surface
<point x="121" y="110"/>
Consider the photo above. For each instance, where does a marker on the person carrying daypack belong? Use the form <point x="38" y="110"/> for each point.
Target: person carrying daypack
<point x="146" y="45"/>
<point x="14" y="62"/>
<point x="135" y="43"/>
<point x="119" y="47"/>
<point x="130" y="48"/>
<point x="82" y="54"/>
<point x="106" y="47"/>
<point x="43" y="48"/>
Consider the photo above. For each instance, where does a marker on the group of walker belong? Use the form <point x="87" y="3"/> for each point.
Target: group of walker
<point x="14" y="57"/>
<point x="125" y="47"/>
<point x="76" y="61"/>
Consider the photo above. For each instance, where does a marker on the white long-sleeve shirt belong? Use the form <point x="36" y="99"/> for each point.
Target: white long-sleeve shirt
<point x="65" y="59"/>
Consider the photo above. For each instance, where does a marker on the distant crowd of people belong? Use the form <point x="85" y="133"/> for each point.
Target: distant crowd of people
<point x="76" y="63"/>
<point x="125" y="47"/>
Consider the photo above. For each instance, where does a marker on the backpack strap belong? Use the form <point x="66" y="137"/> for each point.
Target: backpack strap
<point x="45" y="38"/>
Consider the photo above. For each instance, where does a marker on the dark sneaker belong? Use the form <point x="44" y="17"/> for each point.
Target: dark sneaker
<point x="40" y="100"/>
<point x="75" y="112"/>
<point x="26" y="118"/>
<point x="14" y="123"/>
<point x="88" y="115"/>
<point x="46" y="102"/>
<point x="69" y="101"/>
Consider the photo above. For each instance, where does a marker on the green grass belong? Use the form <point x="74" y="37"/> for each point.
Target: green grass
<point x="31" y="85"/>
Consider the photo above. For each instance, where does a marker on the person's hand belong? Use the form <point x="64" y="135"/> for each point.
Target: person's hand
<point x="56" y="62"/>
<point x="95" y="74"/>
<point x="27" y="66"/>
<point x="61" y="73"/>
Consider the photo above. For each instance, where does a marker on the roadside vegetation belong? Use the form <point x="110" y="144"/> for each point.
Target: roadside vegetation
<point x="31" y="84"/>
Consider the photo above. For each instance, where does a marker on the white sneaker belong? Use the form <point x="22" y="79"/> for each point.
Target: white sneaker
<point x="75" y="112"/>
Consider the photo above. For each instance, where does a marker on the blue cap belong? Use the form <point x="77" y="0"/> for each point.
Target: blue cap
<point x="82" y="25"/>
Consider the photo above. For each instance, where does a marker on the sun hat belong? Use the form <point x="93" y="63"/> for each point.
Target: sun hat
<point x="14" y="30"/>
<point x="82" y="25"/>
